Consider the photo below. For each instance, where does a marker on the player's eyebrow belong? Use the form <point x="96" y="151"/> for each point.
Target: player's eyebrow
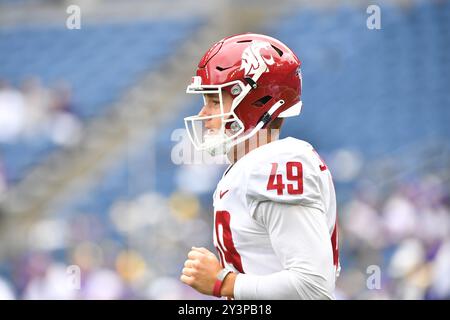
<point x="211" y="95"/>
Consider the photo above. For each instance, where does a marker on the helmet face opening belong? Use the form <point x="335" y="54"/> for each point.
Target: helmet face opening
<point x="218" y="139"/>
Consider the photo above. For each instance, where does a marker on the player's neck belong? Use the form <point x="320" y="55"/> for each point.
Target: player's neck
<point x="263" y="137"/>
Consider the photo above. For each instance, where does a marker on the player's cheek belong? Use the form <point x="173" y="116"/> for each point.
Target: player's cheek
<point x="217" y="123"/>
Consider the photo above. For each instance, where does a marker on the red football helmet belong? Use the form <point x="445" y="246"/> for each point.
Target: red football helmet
<point x="261" y="74"/>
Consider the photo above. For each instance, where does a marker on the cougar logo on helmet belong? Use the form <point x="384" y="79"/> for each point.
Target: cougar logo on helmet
<point x="253" y="61"/>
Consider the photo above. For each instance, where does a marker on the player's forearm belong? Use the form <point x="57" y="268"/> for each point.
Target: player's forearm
<point x="283" y="285"/>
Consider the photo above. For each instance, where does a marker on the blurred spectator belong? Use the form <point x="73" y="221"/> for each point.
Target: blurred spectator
<point x="3" y="183"/>
<point x="36" y="112"/>
<point x="399" y="217"/>
<point x="37" y="103"/>
<point x="440" y="279"/>
<point x="362" y="223"/>
<point x="52" y="284"/>
<point x="410" y="227"/>
<point x="103" y="284"/>
<point x="63" y="126"/>
<point x="6" y="292"/>
<point x="12" y="113"/>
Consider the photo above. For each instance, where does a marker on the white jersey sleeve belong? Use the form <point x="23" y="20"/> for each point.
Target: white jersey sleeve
<point x="287" y="172"/>
<point x="300" y="238"/>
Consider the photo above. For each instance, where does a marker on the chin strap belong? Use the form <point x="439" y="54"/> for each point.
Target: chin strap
<point x="265" y="119"/>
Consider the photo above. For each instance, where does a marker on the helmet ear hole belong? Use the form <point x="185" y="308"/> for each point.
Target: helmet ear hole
<point x="261" y="102"/>
<point x="222" y="68"/>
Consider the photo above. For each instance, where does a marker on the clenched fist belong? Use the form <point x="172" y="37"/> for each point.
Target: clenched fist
<point x="200" y="270"/>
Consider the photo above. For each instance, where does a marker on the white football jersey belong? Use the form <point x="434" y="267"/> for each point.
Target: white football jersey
<point x="286" y="171"/>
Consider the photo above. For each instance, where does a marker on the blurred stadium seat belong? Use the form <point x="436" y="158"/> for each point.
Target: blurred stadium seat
<point x="98" y="62"/>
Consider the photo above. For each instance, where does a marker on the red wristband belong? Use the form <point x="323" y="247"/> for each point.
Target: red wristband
<point x="217" y="287"/>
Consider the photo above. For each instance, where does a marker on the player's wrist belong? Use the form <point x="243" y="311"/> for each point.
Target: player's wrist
<point x="227" y="289"/>
<point x="219" y="288"/>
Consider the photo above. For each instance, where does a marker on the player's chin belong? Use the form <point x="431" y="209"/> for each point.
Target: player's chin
<point x="212" y="130"/>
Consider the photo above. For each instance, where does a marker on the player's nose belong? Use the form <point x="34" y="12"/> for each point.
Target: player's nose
<point x="204" y="111"/>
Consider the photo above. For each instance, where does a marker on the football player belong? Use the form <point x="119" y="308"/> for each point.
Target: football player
<point x="275" y="207"/>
